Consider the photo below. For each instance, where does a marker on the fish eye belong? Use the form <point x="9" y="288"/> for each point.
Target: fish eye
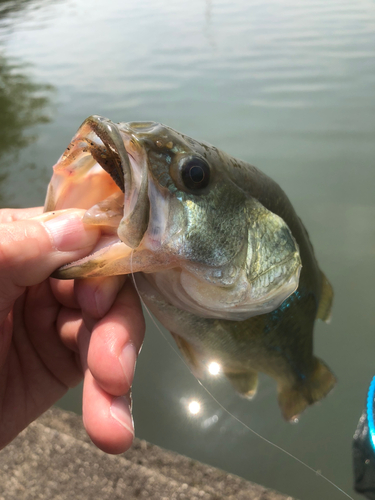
<point x="195" y="173"/>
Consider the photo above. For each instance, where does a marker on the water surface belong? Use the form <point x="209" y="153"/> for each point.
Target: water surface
<point x="287" y="86"/>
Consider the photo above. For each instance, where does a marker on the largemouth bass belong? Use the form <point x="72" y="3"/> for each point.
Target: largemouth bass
<point x="219" y="255"/>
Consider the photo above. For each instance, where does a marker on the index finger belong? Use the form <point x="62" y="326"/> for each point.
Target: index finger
<point x="14" y="214"/>
<point x="115" y="342"/>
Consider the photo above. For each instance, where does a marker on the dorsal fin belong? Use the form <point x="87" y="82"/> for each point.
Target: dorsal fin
<point x="326" y="299"/>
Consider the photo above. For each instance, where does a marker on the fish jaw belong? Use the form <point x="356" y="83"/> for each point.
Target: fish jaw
<point x="103" y="174"/>
<point x="97" y="173"/>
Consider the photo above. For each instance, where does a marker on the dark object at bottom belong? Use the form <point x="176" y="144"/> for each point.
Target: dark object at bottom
<point x="364" y="449"/>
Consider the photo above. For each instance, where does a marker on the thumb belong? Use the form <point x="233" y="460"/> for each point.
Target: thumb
<point x="30" y="250"/>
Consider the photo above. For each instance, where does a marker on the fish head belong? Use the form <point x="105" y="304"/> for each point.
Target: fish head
<point x="167" y="208"/>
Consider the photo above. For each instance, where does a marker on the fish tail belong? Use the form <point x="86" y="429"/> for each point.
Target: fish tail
<point x="293" y="399"/>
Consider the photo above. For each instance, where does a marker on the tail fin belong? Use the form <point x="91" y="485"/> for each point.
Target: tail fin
<point x="294" y="399"/>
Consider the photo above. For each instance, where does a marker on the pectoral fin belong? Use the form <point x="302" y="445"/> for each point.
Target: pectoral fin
<point x="190" y="354"/>
<point x="326" y="299"/>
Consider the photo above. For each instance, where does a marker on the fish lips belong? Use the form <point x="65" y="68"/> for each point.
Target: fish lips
<point x="80" y="179"/>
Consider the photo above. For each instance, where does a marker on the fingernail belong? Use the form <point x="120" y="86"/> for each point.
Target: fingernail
<point x="128" y="358"/>
<point x="120" y="411"/>
<point x="68" y="233"/>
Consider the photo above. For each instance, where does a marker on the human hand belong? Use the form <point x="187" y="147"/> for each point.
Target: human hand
<point x="53" y="333"/>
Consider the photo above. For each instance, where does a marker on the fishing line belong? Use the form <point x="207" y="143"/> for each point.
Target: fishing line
<point x="264" y="439"/>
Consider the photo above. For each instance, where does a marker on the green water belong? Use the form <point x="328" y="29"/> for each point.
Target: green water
<point x="288" y="86"/>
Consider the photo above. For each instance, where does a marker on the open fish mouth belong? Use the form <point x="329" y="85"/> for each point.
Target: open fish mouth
<point x="104" y="173"/>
